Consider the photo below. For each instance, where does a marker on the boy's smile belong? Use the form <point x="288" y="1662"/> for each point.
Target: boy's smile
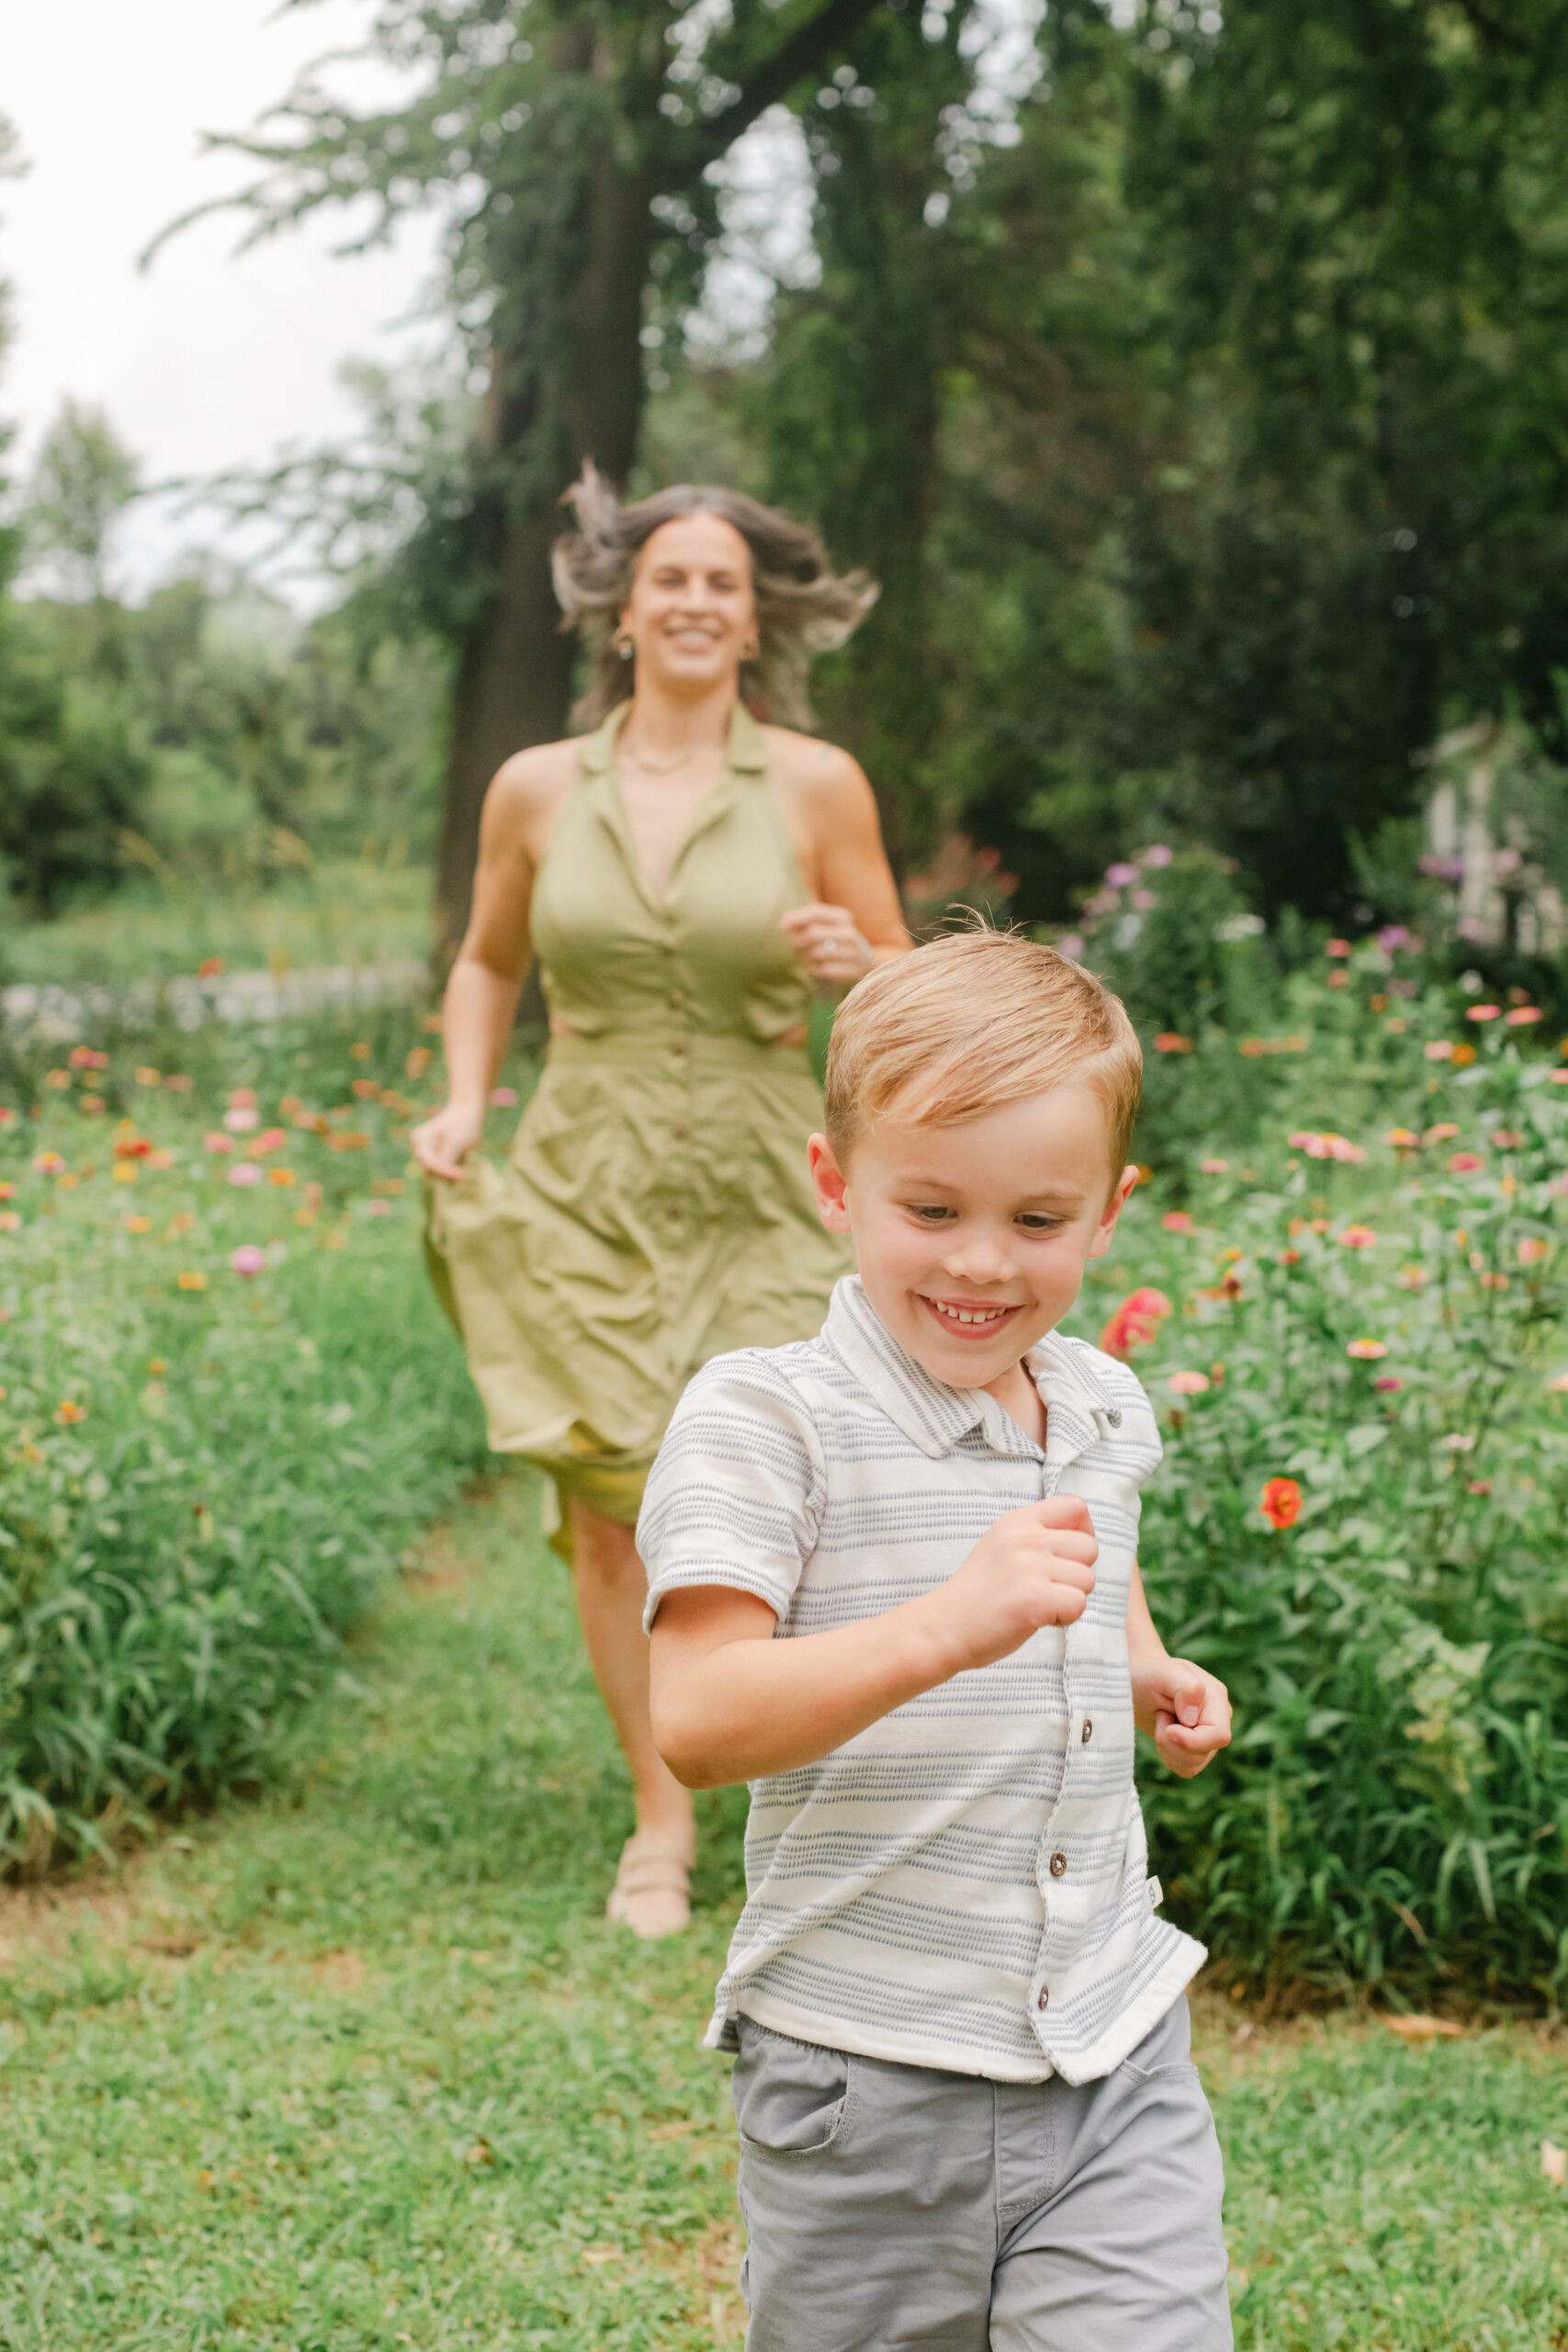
<point x="972" y="1240"/>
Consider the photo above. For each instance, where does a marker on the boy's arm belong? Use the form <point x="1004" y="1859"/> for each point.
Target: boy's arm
<point x="1187" y="1711"/>
<point x="731" y="1703"/>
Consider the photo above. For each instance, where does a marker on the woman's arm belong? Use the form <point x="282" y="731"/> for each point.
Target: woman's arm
<point x="492" y="962"/>
<point x="1187" y="1711"/>
<point x="854" y="921"/>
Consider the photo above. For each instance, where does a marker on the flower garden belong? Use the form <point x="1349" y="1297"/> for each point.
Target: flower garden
<point x="229" y="1403"/>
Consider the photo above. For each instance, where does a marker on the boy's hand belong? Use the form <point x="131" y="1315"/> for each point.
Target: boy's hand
<point x="1031" y="1567"/>
<point x="1188" y="1710"/>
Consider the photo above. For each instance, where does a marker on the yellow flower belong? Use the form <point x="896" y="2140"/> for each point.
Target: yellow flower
<point x="192" y="1281"/>
<point x="125" y="1171"/>
<point x="68" y="1411"/>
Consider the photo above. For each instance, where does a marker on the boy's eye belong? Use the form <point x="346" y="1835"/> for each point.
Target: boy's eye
<point x="930" y="1212"/>
<point x="1034" y="1222"/>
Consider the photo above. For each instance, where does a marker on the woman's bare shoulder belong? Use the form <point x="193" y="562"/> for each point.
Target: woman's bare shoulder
<point x="526" y="790"/>
<point x="817" y="771"/>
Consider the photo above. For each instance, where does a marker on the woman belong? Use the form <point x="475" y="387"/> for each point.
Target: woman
<point x="688" y="875"/>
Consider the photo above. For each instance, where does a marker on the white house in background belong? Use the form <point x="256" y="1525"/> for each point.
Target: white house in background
<point x="1477" y="841"/>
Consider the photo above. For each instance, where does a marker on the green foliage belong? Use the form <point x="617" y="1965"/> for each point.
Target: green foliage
<point x="71" y="776"/>
<point x="83" y="480"/>
<point x="207" y="1460"/>
<point x="1382" y="1321"/>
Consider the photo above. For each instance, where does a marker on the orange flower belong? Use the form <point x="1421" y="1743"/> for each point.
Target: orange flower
<point x="192" y="1281"/>
<point x="1134" y="1323"/>
<point x="1368" y="1350"/>
<point x="67" y="1413"/>
<point x="1170" y="1041"/>
<point x="1282" y="1502"/>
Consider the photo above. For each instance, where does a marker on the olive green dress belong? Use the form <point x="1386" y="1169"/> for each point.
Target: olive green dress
<point x="657" y="1209"/>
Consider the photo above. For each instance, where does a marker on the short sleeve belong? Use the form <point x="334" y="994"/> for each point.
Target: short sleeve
<point x="734" y="1495"/>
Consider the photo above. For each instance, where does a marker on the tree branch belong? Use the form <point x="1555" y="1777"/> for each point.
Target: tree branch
<point x="776" y="77"/>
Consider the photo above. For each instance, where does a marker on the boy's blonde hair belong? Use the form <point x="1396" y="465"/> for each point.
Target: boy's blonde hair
<point x="971" y="1022"/>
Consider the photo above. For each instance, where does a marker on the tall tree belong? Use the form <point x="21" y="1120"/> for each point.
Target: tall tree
<point x="567" y="142"/>
<point x="82" y="480"/>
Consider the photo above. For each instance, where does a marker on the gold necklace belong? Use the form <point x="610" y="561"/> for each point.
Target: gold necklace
<point x="660" y="765"/>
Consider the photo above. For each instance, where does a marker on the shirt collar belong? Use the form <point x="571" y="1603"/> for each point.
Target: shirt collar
<point x="935" y="1417"/>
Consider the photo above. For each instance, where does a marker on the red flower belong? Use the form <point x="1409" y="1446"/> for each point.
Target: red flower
<point x="1464" y="1163"/>
<point x="1134" y="1323"/>
<point x="1282" y="1502"/>
<point x="1170" y="1041"/>
<point x="1178" y="1221"/>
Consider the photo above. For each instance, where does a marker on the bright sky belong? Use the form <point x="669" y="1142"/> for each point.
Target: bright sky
<point x="208" y="360"/>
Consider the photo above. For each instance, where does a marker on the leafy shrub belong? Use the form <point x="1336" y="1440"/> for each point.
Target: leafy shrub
<point x="1376" y="1317"/>
<point x="228" y="1401"/>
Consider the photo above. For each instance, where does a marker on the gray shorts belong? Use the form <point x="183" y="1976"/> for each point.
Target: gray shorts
<point x="892" y="2206"/>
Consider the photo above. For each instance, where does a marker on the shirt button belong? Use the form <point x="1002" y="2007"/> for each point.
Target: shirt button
<point x="1088" y="1733"/>
<point x="1042" y="1998"/>
<point x="1058" y="1865"/>
<point x="1114" y="1417"/>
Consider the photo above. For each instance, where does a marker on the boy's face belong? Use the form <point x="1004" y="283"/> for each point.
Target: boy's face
<point x="972" y="1240"/>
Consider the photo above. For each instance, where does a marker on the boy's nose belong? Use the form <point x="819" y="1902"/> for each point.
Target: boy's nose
<point x="979" y="1262"/>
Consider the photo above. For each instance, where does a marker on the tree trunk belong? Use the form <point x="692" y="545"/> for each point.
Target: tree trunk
<point x="514" y="683"/>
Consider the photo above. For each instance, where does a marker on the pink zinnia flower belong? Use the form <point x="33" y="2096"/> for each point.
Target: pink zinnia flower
<point x="1522" y="1015"/>
<point x="1178" y="1221"/>
<point x="503" y="1097"/>
<point x="248" y="1259"/>
<point x="219" y="1142"/>
<point x="1120" y="876"/>
<point x="243" y="1098"/>
<point x="1388" y="1380"/>
<point x="1187" y="1384"/>
<point x="1356" y="1236"/>
<point x="1465" y="1163"/>
<point x="1133" y="1325"/>
<point x="1337" y="947"/>
<point x="1072" y="947"/>
<point x="247" y="1173"/>
<point x="1483" y="1012"/>
<point x="1214" y="1167"/>
<point x="1440" y="1050"/>
<point x="240" y="1122"/>
<point x="1158" y="855"/>
<point x="1366" y="1351"/>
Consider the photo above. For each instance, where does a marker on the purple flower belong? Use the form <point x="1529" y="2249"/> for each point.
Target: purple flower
<point x="248" y="1259"/>
<point x="1120" y="876"/>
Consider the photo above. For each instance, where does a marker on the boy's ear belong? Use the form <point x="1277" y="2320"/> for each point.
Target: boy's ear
<point x="832" y="1202"/>
<point x="1106" y="1229"/>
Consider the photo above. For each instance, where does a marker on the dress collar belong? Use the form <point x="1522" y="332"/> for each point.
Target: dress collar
<point x="747" y="755"/>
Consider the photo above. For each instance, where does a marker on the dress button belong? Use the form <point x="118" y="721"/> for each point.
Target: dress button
<point x="1088" y="1733"/>
<point x="1058" y="1865"/>
<point x="1042" y="1998"/>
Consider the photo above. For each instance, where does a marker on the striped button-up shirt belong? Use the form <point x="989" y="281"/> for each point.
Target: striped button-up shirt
<point x="966" y="1883"/>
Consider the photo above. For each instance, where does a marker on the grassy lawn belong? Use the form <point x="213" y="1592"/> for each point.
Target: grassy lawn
<point x="350" y="912"/>
<point x="361" y="2065"/>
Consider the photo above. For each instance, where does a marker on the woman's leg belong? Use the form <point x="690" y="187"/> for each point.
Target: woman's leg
<point x="612" y="1592"/>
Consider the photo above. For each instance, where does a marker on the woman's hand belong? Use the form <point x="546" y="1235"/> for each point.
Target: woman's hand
<point x="443" y="1143"/>
<point x="828" y="944"/>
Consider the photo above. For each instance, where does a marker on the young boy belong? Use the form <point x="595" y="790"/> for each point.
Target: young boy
<point x="893" y="1585"/>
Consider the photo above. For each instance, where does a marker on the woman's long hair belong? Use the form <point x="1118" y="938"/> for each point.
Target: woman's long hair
<point x="803" y="606"/>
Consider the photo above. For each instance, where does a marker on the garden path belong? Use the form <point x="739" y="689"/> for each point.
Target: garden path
<point x="359" y="2065"/>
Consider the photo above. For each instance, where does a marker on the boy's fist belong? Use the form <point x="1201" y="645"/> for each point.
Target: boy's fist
<point x="1031" y="1567"/>
<point x="1188" y="1710"/>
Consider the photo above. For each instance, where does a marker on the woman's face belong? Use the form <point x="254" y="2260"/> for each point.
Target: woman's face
<point x="691" y="615"/>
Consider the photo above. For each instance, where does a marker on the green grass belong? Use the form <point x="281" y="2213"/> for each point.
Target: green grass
<point x="363" y="2066"/>
<point x="350" y="912"/>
